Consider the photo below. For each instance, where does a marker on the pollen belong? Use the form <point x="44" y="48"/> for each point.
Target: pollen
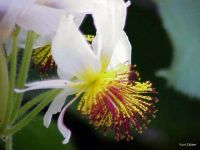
<point x="43" y="59"/>
<point x="117" y="100"/>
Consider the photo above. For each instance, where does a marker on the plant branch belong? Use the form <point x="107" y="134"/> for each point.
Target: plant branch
<point x="3" y="85"/>
<point x="9" y="142"/>
<point x="13" y="68"/>
<point x="28" y="118"/>
<point x="23" y="72"/>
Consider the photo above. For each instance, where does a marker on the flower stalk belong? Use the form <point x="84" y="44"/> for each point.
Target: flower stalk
<point x="12" y="79"/>
<point x="23" y="72"/>
<point x="8" y="142"/>
<point x="13" y="116"/>
<point x="3" y="85"/>
<point x="30" y="116"/>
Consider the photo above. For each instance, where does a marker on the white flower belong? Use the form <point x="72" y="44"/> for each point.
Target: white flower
<point x="35" y="15"/>
<point x="41" y="16"/>
<point x="98" y="73"/>
<point x="75" y="58"/>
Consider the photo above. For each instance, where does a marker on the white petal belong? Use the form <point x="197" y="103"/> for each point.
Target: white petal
<point x="41" y="19"/>
<point x="70" y="50"/>
<point x="51" y="3"/>
<point x="78" y="19"/>
<point x="9" y="11"/>
<point x="61" y="126"/>
<point x="95" y="45"/>
<point x="55" y="107"/>
<point x="122" y="52"/>
<point x="41" y="41"/>
<point x="78" y="6"/>
<point x="70" y="6"/>
<point x="128" y="3"/>
<point x="7" y="17"/>
<point x="22" y="38"/>
<point x="114" y="13"/>
<point x="63" y="75"/>
<point x="8" y="46"/>
<point x="49" y="84"/>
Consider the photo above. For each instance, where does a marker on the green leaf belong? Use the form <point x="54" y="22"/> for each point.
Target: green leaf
<point x="36" y="137"/>
<point x="181" y="20"/>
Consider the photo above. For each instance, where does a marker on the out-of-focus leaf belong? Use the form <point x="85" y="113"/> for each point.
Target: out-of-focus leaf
<point x="181" y="18"/>
<point x="36" y="137"/>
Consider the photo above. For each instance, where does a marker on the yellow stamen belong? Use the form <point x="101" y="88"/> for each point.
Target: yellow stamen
<point x="117" y="99"/>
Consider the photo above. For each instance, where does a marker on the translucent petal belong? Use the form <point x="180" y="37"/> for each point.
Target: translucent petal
<point x="114" y="13"/>
<point x="9" y="13"/>
<point x="128" y="3"/>
<point x="78" y="19"/>
<point x="61" y="126"/>
<point x="8" y="46"/>
<point x="70" y="7"/>
<point x="63" y="75"/>
<point x="79" y="6"/>
<point x="7" y="18"/>
<point x="70" y="50"/>
<point x="55" y="107"/>
<point x="51" y="3"/>
<point x="122" y="52"/>
<point x="39" y="42"/>
<point x="41" y="19"/>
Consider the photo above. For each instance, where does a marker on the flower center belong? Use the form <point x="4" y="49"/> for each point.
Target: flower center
<point x="117" y="100"/>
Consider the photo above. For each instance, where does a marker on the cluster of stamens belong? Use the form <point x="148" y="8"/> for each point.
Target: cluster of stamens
<point x="42" y="58"/>
<point x="119" y="101"/>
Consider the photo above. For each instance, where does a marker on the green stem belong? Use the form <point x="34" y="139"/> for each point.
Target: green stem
<point x="31" y="103"/>
<point x="13" y="68"/>
<point x="9" y="142"/>
<point x="23" y="72"/>
<point x="31" y="115"/>
<point x="3" y="85"/>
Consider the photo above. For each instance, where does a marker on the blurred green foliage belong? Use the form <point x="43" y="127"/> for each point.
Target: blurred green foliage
<point x="36" y="137"/>
<point x="181" y="18"/>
